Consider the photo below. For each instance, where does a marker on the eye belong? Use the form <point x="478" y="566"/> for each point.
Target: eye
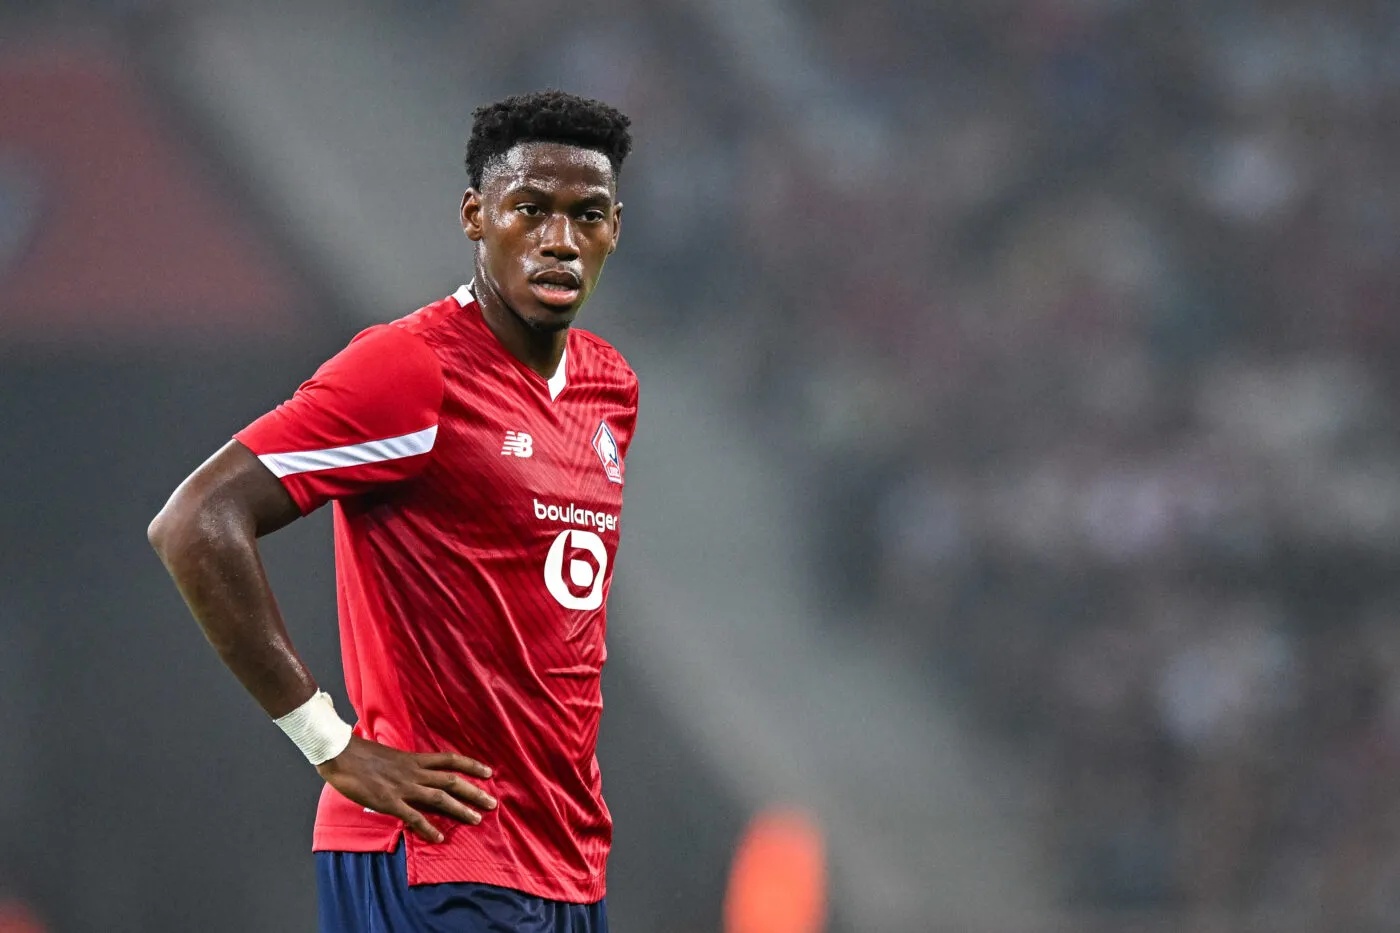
<point x="594" y="216"/>
<point x="530" y="210"/>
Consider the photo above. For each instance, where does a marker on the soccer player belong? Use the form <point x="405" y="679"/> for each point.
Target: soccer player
<point x="473" y="452"/>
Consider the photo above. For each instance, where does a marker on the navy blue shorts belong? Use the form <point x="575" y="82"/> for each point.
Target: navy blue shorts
<point x="368" y="892"/>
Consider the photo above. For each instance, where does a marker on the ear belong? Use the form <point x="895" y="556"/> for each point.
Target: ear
<point x="471" y="214"/>
<point x="616" y="226"/>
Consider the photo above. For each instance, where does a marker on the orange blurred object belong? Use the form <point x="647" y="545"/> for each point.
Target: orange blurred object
<point x="16" y="918"/>
<point x="778" y="882"/>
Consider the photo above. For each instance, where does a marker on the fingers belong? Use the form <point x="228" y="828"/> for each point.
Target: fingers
<point x="451" y="761"/>
<point x="415" y="821"/>
<point x="403" y="785"/>
<point x="440" y="788"/>
<point x="443" y="802"/>
<point x="462" y="790"/>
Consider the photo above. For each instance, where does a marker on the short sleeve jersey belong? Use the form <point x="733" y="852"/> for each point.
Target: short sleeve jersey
<point x="477" y="514"/>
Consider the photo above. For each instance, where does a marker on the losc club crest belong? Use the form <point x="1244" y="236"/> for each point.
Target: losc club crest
<point x="606" y="446"/>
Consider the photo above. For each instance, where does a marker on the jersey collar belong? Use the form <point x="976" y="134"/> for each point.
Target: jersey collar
<point x="466" y="295"/>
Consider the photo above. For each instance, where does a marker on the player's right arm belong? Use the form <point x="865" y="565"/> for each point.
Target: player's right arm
<point x="207" y="537"/>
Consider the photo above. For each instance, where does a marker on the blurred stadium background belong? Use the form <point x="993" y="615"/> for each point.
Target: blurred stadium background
<point x="1018" y="489"/>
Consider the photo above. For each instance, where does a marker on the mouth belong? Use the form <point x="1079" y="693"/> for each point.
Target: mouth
<point x="557" y="288"/>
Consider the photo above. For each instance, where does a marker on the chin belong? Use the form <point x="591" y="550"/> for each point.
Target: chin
<point x="551" y="320"/>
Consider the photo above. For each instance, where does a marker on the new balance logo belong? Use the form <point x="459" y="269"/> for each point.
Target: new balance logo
<point x="518" y="444"/>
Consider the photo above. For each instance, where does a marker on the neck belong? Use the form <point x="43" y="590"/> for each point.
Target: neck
<point x="540" y="350"/>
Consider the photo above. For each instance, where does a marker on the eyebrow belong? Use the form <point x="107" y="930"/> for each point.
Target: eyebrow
<point x="594" y="195"/>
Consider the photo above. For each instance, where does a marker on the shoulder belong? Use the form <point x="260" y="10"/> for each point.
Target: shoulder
<point x="390" y="366"/>
<point x="389" y="350"/>
<point x="611" y="363"/>
<point x="430" y="318"/>
<point x="410" y="343"/>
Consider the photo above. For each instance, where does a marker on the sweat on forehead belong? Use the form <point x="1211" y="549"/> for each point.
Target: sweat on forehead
<point x="546" y="161"/>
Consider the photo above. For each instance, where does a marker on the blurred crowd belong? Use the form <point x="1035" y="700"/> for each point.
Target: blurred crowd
<point x="1110" y="421"/>
<point x="1082" y="316"/>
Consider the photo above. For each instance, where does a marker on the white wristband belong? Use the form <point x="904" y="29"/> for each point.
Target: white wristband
<point x="316" y="728"/>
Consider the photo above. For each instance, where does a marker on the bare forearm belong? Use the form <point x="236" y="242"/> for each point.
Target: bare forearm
<point x="220" y="574"/>
<point x="209" y="546"/>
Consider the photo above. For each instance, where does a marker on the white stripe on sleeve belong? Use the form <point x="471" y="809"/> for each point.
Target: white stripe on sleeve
<point x="391" y="448"/>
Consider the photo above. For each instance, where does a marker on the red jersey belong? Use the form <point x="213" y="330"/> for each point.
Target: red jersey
<point x="477" y="510"/>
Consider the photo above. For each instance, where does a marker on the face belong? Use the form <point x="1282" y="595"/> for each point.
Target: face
<point x="545" y="221"/>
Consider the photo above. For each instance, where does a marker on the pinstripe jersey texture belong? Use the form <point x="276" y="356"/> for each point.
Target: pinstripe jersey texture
<point x="477" y="515"/>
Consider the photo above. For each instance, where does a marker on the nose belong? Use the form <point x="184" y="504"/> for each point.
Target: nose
<point x="559" y="240"/>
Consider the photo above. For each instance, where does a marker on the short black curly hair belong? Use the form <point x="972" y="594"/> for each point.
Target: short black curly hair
<point x="546" y="116"/>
